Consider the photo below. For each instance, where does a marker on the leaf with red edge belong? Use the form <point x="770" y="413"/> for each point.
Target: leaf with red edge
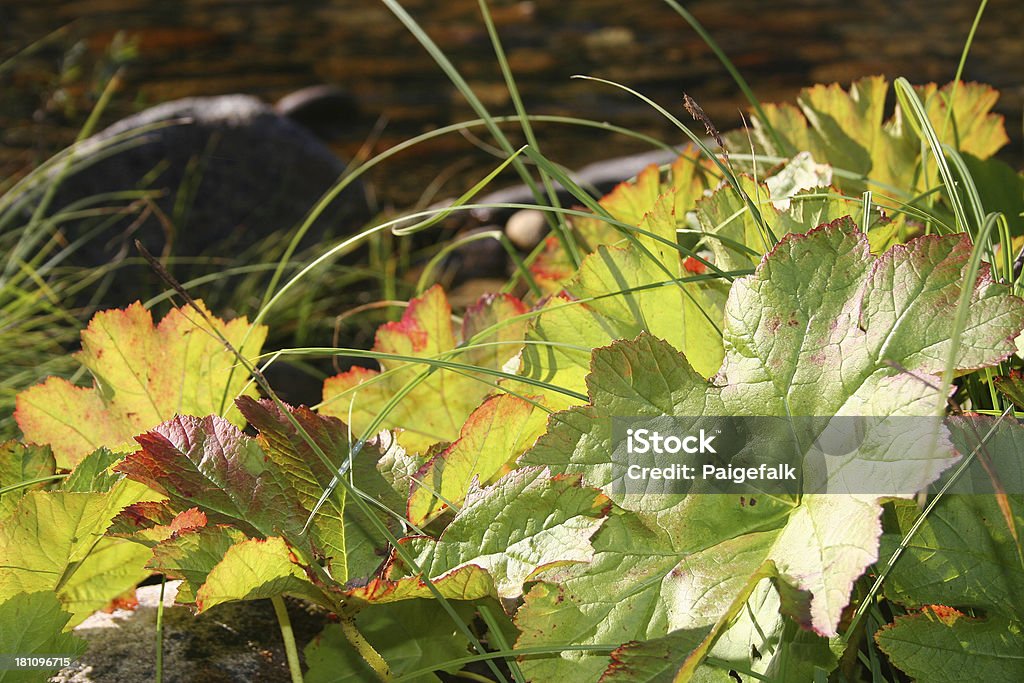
<point x="346" y="537"/>
<point x="552" y="268"/>
<point x="150" y="523"/>
<point x="653" y="660"/>
<point x="141" y="516"/>
<point x="941" y="644"/>
<point x="257" y="568"/>
<point x="619" y="292"/>
<point x="822" y="327"/>
<point x="144" y="375"/>
<point x="499" y="430"/>
<point x="191" y="555"/>
<point x="436" y="408"/>
<point x="209" y="464"/>
<point x="629" y="202"/>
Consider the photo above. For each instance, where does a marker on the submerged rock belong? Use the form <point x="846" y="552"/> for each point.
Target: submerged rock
<point x="222" y="173"/>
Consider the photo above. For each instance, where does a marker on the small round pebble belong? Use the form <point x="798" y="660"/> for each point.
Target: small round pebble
<point x="526" y="228"/>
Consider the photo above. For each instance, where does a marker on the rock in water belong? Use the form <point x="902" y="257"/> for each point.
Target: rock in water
<point x="228" y="170"/>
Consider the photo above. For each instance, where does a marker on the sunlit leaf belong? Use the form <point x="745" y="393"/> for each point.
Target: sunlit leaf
<point x="436" y="408"/>
<point x="40" y="623"/>
<point x="143" y="375"/>
<point x="505" y="533"/>
<point x="821" y="328"/>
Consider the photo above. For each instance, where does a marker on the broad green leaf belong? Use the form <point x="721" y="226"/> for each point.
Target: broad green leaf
<point x="966" y="554"/>
<point x="504" y="533"/>
<point x="192" y="555"/>
<point x="93" y="473"/>
<point x="501" y="428"/>
<point x="562" y="336"/>
<point x="725" y="214"/>
<point x="349" y="537"/>
<point x="426" y="331"/>
<point x="209" y="464"/>
<point x="848" y="130"/>
<point x="963" y="555"/>
<point x="822" y="322"/>
<point x="821" y="328"/>
<point x="303" y="469"/>
<point x="626" y="286"/>
<point x="630" y="201"/>
<point x="47" y="533"/>
<point x="941" y="644"/>
<point x="143" y="376"/>
<point x="366" y="547"/>
<point x="799" y="656"/>
<point x="20" y="463"/>
<point x="113" y="566"/>
<point x="655" y="660"/>
<point x="762" y="640"/>
<point x="614" y="599"/>
<point x="257" y="568"/>
<point x="623" y="292"/>
<point x="40" y="621"/>
<point x="48" y="541"/>
<point x="409" y="635"/>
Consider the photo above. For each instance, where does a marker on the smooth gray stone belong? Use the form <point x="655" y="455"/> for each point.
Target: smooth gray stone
<point x="526" y="228"/>
<point x="599" y="178"/>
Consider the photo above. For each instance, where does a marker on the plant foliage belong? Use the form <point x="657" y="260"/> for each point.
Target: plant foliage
<point x="460" y="501"/>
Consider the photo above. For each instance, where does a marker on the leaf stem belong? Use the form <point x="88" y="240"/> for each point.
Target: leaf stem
<point x="290" y="651"/>
<point x="160" y="632"/>
<point x="363" y="647"/>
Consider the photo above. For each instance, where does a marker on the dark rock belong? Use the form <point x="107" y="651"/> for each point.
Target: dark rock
<point x="226" y="171"/>
<point x="327" y="110"/>
<point x="479" y="258"/>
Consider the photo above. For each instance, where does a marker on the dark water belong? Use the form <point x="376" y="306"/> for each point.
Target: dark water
<point x="270" y="47"/>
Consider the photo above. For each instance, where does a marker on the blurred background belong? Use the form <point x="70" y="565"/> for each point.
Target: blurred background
<point x="269" y="48"/>
<point x="249" y="190"/>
